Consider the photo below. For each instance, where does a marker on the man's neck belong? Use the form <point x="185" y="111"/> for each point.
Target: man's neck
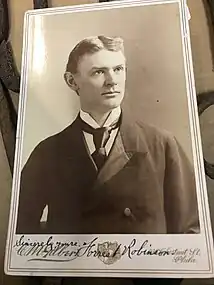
<point x="99" y="120"/>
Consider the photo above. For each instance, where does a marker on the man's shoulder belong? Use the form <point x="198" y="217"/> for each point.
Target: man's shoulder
<point x="145" y="136"/>
<point x="54" y="141"/>
<point x="152" y="133"/>
<point x="155" y="139"/>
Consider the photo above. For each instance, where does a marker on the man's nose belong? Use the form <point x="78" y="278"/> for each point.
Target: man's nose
<point x="110" y="78"/>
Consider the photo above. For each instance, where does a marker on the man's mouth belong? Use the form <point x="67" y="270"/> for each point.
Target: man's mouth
<point x="110" y="93"/>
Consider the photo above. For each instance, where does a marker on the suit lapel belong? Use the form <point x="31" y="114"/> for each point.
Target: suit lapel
<point x="124" y="147"/>
<point x="75" y="157"/>
<point x="117" y="159"/>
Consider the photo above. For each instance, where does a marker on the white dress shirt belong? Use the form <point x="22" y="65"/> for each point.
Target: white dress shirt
<point x="112" y="117"/>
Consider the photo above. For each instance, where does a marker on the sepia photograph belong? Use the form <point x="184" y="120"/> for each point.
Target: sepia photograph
<point x="106" y="172"/>
<point x="108" y="143"/>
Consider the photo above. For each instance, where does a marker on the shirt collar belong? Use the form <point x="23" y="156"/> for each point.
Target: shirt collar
<point x="113" y="117"/>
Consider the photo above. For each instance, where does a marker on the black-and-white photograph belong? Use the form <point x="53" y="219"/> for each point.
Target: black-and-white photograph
<point x="108" y="140"/>
<point x="107" y="172"/>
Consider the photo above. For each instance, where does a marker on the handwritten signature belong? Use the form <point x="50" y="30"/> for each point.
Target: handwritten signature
<point x="58" y="251"/>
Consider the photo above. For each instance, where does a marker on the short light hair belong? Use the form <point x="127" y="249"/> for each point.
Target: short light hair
<point x="90" y="46"/>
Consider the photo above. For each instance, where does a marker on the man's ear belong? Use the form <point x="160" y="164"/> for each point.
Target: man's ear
<point x="69" y="79"/>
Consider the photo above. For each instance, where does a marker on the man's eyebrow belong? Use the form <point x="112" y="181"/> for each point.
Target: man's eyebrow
<point x="104" y="67"/>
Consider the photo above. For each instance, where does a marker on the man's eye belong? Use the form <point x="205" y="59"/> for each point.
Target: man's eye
<point x="119" y="68"/>
<point x="98" y="72"/>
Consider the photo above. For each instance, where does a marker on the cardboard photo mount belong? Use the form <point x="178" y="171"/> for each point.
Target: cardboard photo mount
<point x="160" y="84"/>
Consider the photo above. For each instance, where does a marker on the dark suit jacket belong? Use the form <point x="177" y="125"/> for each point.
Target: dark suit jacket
<point x="146" y="186"/>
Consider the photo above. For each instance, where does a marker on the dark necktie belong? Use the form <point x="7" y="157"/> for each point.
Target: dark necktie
<point x="100" y="137"/>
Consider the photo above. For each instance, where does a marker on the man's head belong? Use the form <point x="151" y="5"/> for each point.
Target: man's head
<point x="96" y="70"/>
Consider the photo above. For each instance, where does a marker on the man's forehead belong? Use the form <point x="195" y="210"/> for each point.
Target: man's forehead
<point x="102" y="58"/>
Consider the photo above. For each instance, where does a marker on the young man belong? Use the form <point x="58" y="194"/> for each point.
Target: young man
<point x="106" y="173"/>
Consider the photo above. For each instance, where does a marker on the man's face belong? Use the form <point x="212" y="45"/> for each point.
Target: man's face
<point x="101" y="80"/>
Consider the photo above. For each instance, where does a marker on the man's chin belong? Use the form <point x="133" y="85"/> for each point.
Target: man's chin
<point x="109" y="107"/>
<point x="112" y="103"/>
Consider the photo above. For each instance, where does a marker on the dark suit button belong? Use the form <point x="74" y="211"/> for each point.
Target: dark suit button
<point x="127" y="212"/>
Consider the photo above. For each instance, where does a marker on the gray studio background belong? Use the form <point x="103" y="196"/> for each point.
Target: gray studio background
<point x="156" y="87"/>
